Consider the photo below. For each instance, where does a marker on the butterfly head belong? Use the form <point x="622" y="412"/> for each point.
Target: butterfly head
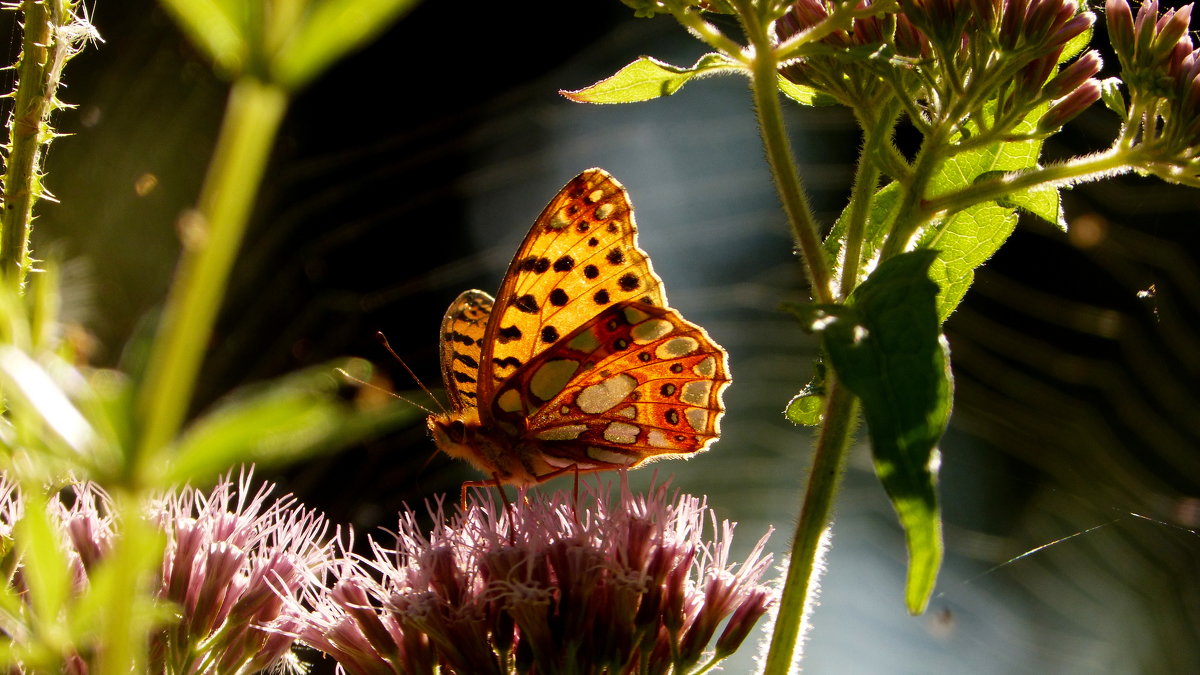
<point x="461" y="435"/>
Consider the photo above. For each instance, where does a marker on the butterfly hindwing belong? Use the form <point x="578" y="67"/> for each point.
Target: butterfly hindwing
<point x="463" y="330"/>
<point x="634" y="382"/>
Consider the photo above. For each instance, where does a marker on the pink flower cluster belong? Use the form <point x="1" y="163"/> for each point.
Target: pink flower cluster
<point x="1161" y="66"/>
<point x="546" y="586"/>
<point x="630" y="585"/>
<point x="949" y="55"/>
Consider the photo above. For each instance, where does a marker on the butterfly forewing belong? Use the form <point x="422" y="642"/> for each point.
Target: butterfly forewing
<point x="463" y="330"/>
<point x="580" y="257"/>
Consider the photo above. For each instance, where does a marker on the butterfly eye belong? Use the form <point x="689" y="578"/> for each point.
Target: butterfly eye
<point x="457" y="431"/>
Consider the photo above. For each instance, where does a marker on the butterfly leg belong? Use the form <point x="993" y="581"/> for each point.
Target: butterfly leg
<point x="499" y="485"/>
<point x="575" y="497"/>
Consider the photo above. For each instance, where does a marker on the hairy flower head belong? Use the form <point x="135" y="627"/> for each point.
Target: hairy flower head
<point x="626" y="586"/>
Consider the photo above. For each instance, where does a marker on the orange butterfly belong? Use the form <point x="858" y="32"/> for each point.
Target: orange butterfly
<point x="579" y="364"/>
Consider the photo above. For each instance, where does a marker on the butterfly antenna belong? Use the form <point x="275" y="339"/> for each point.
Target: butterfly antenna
<point x="384" y="341"/>
<point x="380" y="389"/>
<point x="428" y="461"/>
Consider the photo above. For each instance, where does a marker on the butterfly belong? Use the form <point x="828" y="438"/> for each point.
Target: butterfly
<point x="578" y="363"/>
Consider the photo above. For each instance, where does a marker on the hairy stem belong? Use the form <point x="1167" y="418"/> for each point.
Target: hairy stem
<point x="1078" y="170"/>
<point x="708" y="33"/>
<point x="909" y="216"/>
<point x="764" y="85"/>
<point x="211" y="236"/>
<point x="32" y="102"/>
<point x="866" y="178"/>
<point x="837" y="427"/>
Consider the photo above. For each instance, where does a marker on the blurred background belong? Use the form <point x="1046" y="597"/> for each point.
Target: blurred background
<point x="413" y="169"/>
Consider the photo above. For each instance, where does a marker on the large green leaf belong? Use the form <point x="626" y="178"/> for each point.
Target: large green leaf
<point x="287" y="43"/>
<point x="886" y="347"/>
<point x="35" y="394"/>
<point x="648" y="78"/>
<point x="215" y="28"/>
<point x="278" y="422"/>
<point x="331" y="29"/>
<point x="45" y="568"/>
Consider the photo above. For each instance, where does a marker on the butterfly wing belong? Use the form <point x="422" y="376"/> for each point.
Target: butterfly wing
<point x="463" y="330"/>
<point x="579" y="258"/>
<point x="634" y="382"/>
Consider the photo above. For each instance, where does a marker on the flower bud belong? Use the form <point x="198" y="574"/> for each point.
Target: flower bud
<point x="1120" y="25"/>
<point x="986" y="12"/>
<point x="1069" y="78"/>
<point x="751" y="609"/>
<point x="1170" y="28"/>
<point x="1067" y="108"/>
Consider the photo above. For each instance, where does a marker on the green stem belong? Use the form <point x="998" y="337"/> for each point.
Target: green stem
<point x="1100" y="165"/>
<point x="839" y="420"/>
<point x="908" y="219"/>
<point x="764" y="85"/>
<point x="31" y="106"/>
<point x="135" y="553"/>
<point x="708" y="33"/>
<point x="211" y="236"/>
<point x="866" y="178"/>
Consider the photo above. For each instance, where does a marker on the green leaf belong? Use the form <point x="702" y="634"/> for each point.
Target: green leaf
<point x="119" y="606"/>
<point x="213" y="28"/>
<point x="277" y="422"/>
<point x="889" y="352"/>
<point x="1043" y="202"/>
<point x="1076" y="45"/>
<point x="331" y="29"/>
<point x="32" y="390"/>
<point x="806" y="407"/>
<point x="804" y="94"/>
<point x="971" y="237"/>
<point x="648" y="78"/>
<point x="44" y="563"/>
<point x="1110" y="93"/>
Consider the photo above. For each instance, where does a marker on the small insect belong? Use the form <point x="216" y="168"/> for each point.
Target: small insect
<point x="578" y="364"/>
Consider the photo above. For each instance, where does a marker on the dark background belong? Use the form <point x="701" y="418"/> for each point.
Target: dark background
<point x="412" y="170"/>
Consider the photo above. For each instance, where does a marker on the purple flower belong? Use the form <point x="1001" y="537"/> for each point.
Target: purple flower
<point x="1161" y="68"/>
<point x="233" y="556"/>
<point x="942" y="57"/>
<point x="232" y="559"/>
<point x="629" y="586"/>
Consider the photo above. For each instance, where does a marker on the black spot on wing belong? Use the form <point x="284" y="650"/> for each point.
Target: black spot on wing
<point x="527" y="303"/>
<point x="455" y="336"/>
<point x="466" y="359"/>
